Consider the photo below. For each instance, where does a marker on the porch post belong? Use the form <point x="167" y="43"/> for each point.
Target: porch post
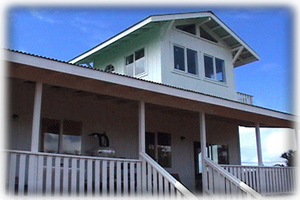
<point x="142" y="145"/>
<point x="258" y="144"/>
<point x="203" y="149"/>
<point x="296" y="137"/>
<point x="36" y="117"/>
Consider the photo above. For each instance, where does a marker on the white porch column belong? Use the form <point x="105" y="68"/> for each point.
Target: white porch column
<point x="258" y="144"/>
<point x="36" y="117"/>
<point x="203" y="148"/>
<point x="296" y="137"/>
<point x="142" y="129"/>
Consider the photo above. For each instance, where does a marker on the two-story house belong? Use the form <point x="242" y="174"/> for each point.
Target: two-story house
<point x="151" y="111"/>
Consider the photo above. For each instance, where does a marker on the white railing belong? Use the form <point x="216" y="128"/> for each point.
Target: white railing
<point x="245" y="98"/>
<point x="158" y="182"/>
<point x="56" y="174"/>
<point x="266" y="180"/>
<point x="223" y="184"/>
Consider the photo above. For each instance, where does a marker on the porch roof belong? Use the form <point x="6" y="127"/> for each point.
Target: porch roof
<point x="59" y="73"/>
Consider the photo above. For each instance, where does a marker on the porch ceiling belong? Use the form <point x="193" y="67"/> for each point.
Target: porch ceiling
<point x="39" y="69"/>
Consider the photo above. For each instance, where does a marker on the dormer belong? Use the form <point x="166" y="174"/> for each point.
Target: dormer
<point x="193" y="51"/>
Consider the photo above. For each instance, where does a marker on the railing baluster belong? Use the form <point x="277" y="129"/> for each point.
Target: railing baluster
<point x="97" y="177"/>
<point x="104" y="177"/>
<point x="73" y="176"/>
<point x="57" y="179"/>
<point x="81" y="176"/>
<point x="89" y="174"/>
<point x="139" y="178"/>
<point x="125" y="178"/>
<point x="66" y="176"/>
<point x="48" y="175"/>
<point x="22" y="171"/>
<point x="12" y="173"/>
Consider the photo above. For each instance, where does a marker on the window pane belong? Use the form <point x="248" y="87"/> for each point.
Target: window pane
<point x="179" y="58"/>
<point x="50" y="135"/>
<point x="71" y="141"/>
<point x="220" y="70"/>
<point x="50" y="143"/>
<point x="190" y="28"/>
<point x="129" y="70"/>
<point x="71" y="144"/>
<point x="192" y="61"/>
<point x="139" y="66"/>
<point x="139" y="54"/>
<point x="129" y="59"/>
<point x="208" y="65"/>
<point x="150" y="144"/>
<point x="164" y="149"/>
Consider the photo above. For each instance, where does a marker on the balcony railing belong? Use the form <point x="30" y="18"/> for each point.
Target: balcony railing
<point x="245" y="98"/>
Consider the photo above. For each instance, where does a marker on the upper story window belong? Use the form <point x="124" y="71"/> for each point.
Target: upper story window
<point x="185" y="57"/>
<point x="135" y="63"/>
<point x="189" y="28"/>
<point x="214" y="68"/>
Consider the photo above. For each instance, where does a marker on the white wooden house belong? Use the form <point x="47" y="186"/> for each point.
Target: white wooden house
<point x="163" y="91"/>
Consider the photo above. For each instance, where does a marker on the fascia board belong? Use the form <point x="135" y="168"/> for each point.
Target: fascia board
<point x="179" y="16"/>
<point x="154" y="18"/>
<point x="67" y="68"/>
<point x="112" y="40"/>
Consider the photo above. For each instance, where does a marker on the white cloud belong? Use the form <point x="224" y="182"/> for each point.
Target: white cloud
<point x="43" y="17"/>
<point x="275" y="141"/>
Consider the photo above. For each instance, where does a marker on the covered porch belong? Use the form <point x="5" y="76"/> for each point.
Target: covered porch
<point x="153" y="128"/>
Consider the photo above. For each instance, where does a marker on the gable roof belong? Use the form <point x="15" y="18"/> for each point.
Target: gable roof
<point x="246" y="54"/>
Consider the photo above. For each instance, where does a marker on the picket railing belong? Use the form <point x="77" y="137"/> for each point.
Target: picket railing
<point x="266" y="180"/>
<point x="156" y="181"/>
<point x="245" y="98"/>
<point x="55" y="174"/>
<point x="221" y="183"/>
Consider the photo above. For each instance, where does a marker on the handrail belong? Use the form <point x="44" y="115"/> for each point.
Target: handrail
<point x="181" y="188"/>
<point x="71" y="156"/>
<point x="232" y="179"/>
<point x="253" y="166"/>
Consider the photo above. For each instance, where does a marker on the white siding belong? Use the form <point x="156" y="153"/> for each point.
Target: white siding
<point x="150" y="41"/>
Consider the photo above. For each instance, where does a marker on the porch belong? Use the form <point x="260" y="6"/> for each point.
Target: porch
<point x="70" y="105"/>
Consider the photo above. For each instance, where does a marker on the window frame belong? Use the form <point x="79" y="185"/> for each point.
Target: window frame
<point x="61" y="135"/>
<point x="214" y="58"/>
<point x="186" y="62"/>
<point x="134" y="63"/>
<point x="154" y="150"/>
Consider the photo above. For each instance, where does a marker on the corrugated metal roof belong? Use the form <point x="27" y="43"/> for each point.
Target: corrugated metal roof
<point x="147" y="81"/>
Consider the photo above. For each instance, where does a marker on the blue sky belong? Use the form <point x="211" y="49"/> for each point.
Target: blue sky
<point x="65" y="32"/>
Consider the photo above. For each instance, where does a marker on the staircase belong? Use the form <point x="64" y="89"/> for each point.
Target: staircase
<point x="220" y="183"/>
